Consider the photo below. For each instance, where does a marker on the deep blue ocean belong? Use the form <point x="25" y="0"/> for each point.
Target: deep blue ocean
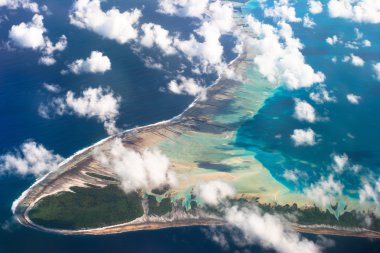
<point x="21" y="93"/>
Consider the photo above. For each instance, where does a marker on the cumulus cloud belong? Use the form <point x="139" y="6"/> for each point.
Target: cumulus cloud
<point x="282" y="10"/>
<point x="340" y="162"/>
<point x="155" y="35"/>
<point x="95" y="63"/>
<point x="332" y="40"/>
<point x="97" y="103"/>
<point x="303" y="137"/>
<point x="315" y="7"/>
<point x="376" y="68"/>
<point x="32" y="159"/>
<point x="186" y="8"/>
<point x="206" y="54"/>
<point x="370" y="191"/>
<point x="355" y="60"/>
<point x="279" y="57"/>
<point x="304" y="111"/>
<point x="187" y="86"/>
<point x="367" y="43"/>
<point x="321" y="95"/>
<point x="31" y="35"/>
<point x="308" y="22"/>
<point x="15" y="4"/>
<point x="324" y="191"/>
<point x="213" y="192"/>
<point x="353" y="99"/>
<point x="363" y="11"/>
<point x="111" y="24"/>
<point x="203" y="47"/>
<point x="293" y="175"/>
<point x="268" y="230"/>
<point x="147" y="170"/>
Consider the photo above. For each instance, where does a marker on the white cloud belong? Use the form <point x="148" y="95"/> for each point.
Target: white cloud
<point x="214" y="192"/>
<point x="370" y="191"/>
<point x="32" y="159"/>
<point x="31" y="35"/>
<point x="187" y="86"/>
<point x="95" y="63"/>
<point x="15" y="4"/>
<point x="51" y="87"/>
<point x="205" y="54"/>
<point x="315" y="7"/>
<point x="303" y="137"/>
<point x="279" y="57"/>
<point x="149" y="62"/>
<point x="366" y="11"/>
<point x="324" y="191"/>
<point x="111" y="24"/>
<point x="332" y="40"/>
<point x="308" y="22"/>
<point x="353" y="99"/>
<point x="155" y="35"/>
<point x="303" y="111"/>
<point x="147" y="170"/>
<point x="321" y="96"/>
<point x="186" y="8"/>
<point x="367" y="43"/>
<point x="291" y="175"/>
<point x="376" y="68"/>
<point x="282" y="11"/>
<point x="358" y="41"/>
<point x="340" y="162"/>
<point x="268" y="230"/>
<point x="46" y="60"/>
<point x="355" y="60"/>
<point x="50" y="48"/>
<point x="97" y="103"/>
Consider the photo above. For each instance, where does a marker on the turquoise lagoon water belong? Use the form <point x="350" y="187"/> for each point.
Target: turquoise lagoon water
<point x="343" y="128"/>
<point x="21" y="93"/>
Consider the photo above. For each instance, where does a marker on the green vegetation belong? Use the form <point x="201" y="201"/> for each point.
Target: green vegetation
<point x="159" y="208"/>
<point x="87" y="208"/>
<point x="315" y="216"/>
<point x="91" y="174"/>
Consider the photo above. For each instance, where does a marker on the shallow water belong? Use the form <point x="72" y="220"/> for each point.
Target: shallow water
<point x="21" y="92"/>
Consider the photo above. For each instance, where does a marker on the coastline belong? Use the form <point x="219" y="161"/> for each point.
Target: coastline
<point x="128" y="227"/>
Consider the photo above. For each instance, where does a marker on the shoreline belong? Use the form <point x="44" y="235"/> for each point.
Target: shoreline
<point x="129" y="227"/>
<point x="204" y="222"/>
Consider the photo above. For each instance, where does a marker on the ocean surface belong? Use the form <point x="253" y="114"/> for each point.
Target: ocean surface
<point x="342" y="128"/>
<point x="144" y="102"/>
